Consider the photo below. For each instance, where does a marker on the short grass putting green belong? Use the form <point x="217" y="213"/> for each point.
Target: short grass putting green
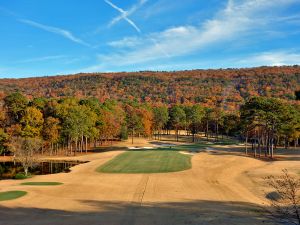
<point x="10" y="195"/>
<point x="42" y="183"/>
<point x="154" y="161"/>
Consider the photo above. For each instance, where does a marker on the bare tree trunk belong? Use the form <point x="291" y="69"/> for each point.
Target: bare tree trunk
<point x="217" y="131"/>
<point x="132" y="136"/>
<point x="277" y="142"/>
<point x="268" y="144"/>
<point x="68" y="147"/>
<point x="86" y="144"/>
<point x="76" y="146"/>
<point x="272" y="148"/>
<point x="255" y="147"/>
<point x="193" y="136"/>
<point x="255" y="140"/>
<point x="26" y="170"/>
<point x="246" y="143"/>
<point x="81" y="147"/>
<point x="51" y="149"/>
<point x="264" y="145"/>
<point x="207" y="130"/>
<point x="259" y="147"/>
<point x="272" y="141"/>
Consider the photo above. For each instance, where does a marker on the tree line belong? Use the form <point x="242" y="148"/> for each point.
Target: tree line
<point x="209" y="88"/>
<point x="70" y="125"/>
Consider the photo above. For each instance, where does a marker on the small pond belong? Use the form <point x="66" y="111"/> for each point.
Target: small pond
<point x="8" y="170"/>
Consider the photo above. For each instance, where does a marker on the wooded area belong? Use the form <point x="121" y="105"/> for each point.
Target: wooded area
<point x="225" y="88"/>
<point x="69" y="125"/>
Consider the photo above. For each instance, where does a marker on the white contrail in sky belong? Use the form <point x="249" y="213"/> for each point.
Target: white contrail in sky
<point x="65" y="33"/>
<point x="124" y="14"/>
<point x="159" y="46"/>
<point x="59" y="31"/>
<point x="128" y="12"/>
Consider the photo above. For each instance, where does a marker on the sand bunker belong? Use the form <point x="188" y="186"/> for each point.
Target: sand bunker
<point x="220" y="188"/>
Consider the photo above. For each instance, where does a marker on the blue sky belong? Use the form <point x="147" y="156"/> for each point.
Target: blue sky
<point x="52" y="37"/>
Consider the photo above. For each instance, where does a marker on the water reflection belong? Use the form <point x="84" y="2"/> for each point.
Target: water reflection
<point x="8" y="170"/>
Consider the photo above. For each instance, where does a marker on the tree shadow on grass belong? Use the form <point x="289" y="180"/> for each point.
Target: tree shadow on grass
<point x="278" y="156"/>
<point x="120" y="213"/>
<point x="107" y="149"/>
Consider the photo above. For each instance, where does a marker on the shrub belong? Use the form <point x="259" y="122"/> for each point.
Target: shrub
<point x="21" y="176"/>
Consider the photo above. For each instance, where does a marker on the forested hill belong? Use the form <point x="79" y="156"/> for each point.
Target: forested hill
<point x="228" y="87"/>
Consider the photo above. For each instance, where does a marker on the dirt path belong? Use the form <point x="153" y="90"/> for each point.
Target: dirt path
<point x="219" y="189"/>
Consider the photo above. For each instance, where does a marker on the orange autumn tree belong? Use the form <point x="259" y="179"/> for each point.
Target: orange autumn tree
<point x="51" y="131"/>
<point x="111" y="120"/>
<point x="147" y="120"/>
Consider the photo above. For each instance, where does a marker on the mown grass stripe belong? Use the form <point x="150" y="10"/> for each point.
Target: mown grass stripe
<point x="155" y="161"/>
<point x="11" y="195"/>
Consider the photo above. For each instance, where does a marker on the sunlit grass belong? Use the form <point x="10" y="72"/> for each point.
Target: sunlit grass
<point x="149" y="161"/>
<point x="11" y="195"/>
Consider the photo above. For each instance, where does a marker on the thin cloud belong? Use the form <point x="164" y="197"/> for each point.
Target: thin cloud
<point x="271" y="58"/>
<point x="237" y="21"/>
<point x="162" y="7"/>
<point x="127" y="42"/>
<point x="124" y="15"/>
<point x="64" y="33"/>
<point x="43" y="58"/>
<point x="8" y="12"/>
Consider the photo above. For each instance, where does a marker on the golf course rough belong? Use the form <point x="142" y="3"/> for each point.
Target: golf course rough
<point x="147" y="162"/>
<point x="11" y="195"/>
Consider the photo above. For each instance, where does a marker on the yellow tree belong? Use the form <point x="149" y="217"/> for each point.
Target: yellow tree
<point x="32" y="122"/>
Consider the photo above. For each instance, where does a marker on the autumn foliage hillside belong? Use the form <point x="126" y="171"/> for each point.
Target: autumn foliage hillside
<point x="223" y="87"/>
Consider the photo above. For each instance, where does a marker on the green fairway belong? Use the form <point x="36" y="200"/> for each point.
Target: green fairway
<point x="10" y="195"/>
<point x="155" y="161"/>
<point x="42" y="183"/>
